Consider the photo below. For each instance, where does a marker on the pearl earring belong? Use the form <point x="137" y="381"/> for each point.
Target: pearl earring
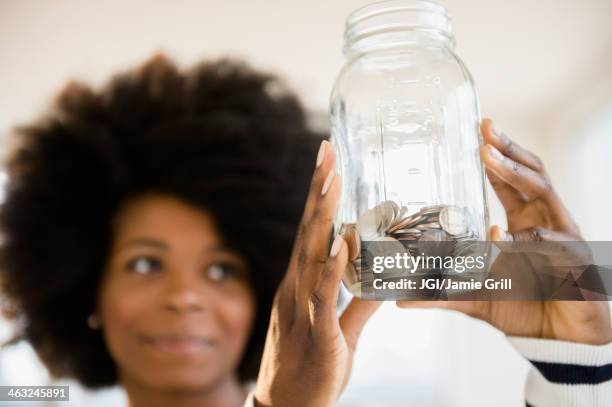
<point x="93" y="321"/>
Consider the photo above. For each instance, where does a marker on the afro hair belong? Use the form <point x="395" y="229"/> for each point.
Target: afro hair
<point x="221" y="136"/>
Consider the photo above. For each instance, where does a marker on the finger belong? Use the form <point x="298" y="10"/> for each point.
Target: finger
<point x="351" y="235"/>
<point x="311" y="243"/>
<point x="323" y="300"/>
<point x="563" y="248"/>
<point x="287" y="292"/>
<point x="527" y="183"/>
<point x="325" y="161"/>
<point x="511" y="199"/>
<point x="354" y="319"/>
<point x="508" y="147"/>
<point x="313" y="254"/>
<point x="523" y="179"/>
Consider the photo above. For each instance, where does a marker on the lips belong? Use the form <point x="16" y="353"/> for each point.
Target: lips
<point x="180" y="344"/>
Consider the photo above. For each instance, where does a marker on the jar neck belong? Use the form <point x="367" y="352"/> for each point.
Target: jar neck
<point x="397" y="24"/>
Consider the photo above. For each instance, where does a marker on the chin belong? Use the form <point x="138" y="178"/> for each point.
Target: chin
<point x="183" y="378"/>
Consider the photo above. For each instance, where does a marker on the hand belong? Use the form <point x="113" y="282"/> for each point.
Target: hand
<point x="309" y="350"/>
<point x="535" y="213"/>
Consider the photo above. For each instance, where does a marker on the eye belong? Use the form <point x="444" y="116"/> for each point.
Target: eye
<point x="145" y="265"/>
<point x="220" y="272"/>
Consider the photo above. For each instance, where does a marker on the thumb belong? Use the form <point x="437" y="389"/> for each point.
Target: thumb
<point x="354" y="319"/>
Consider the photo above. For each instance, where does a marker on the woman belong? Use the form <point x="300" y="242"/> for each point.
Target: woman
<point x="147" y="226"/>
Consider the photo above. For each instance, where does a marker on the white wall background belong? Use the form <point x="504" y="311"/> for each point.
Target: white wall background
<point x="543" y="70"/>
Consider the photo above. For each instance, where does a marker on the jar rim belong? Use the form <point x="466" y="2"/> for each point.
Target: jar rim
<point x="397" y="16"/>
<point x="388" y="6"/>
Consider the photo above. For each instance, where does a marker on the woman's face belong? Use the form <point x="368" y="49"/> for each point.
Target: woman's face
<point x="175" y="304"/>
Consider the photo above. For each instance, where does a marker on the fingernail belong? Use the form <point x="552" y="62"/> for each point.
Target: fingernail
<point x="328" y="181"/>
<point x="336" y="246"/>
<point x="495" y="131"/>
<point x="494" y="153"/>
<point x="321" y="153"/>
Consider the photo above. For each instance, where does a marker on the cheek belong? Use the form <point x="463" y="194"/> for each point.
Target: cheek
<point x="238" y="315"/>
<point x="120" y="311"/>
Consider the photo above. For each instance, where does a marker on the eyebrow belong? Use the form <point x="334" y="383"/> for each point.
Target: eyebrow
<point x="145" y="242"/>
<point x="161" y="245"/>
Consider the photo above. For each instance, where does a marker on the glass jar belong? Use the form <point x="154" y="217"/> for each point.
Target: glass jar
<point x="405" y="125"/>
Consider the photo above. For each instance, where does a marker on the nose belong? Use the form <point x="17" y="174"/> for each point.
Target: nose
<point x="182" y="293"/>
